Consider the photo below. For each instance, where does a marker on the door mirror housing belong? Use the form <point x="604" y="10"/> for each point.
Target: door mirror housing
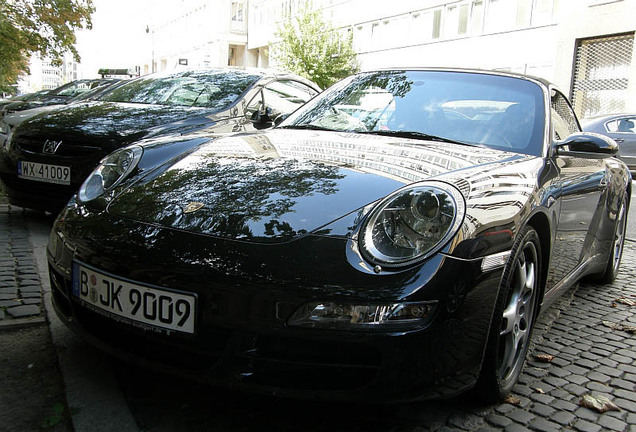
<point x="262" y="117"/>
<point x="587" y="145"/>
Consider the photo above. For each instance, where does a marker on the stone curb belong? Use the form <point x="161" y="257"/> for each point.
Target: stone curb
<point x="10" y="324"/>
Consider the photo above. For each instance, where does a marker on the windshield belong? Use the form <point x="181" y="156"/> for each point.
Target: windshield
<point x="207" y="89"/>
<point x="494" y="111"/>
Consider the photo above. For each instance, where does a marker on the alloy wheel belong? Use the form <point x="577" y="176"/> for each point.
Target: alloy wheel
<point x="619" y="237"/>
<point x="518" y="313"/>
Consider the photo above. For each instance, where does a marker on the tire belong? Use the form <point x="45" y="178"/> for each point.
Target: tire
<point x="616" y="251"/>
<point x="514" y="317"/>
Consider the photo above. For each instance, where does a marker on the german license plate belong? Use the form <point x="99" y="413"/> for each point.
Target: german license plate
<point x="44" y="172"/>
<point x="132" y="303"/>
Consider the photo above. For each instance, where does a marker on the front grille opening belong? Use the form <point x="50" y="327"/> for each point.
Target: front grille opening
<point x="309" y="364"/>
<point x="310" y="377"/>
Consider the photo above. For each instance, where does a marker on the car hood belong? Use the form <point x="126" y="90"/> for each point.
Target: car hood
<point x="26" y="105"/>
<point x="15" y="118"/>
<point x="275" y="186"/>
<point x="107" y="122"/>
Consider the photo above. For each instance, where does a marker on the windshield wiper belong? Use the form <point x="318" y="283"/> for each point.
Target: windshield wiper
<point x="416" y="135"/>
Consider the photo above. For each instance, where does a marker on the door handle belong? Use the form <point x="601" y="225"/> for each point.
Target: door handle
<point x="619" y="140"/>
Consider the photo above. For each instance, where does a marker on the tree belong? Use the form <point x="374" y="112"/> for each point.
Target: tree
<point x="311" y="47"/>
<point x="45" y="27"/>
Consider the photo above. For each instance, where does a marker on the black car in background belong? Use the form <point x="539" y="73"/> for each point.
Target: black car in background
<point x="10" y="120"/>
<point x="46" y="158"/>
<point x="622" y="129"/>
<point x="59" y="95"/>
<point x="393" y="239"/>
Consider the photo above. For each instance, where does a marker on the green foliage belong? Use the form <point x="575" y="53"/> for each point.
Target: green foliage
<point x="312" y="48"/>
<point x="46" y="27"/>
<point x="57" y="416"/>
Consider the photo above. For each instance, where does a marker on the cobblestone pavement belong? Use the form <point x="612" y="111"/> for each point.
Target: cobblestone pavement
<point x="593" y="346"/>
<point x="20" y="288"/>
<point x="584" y="345"/>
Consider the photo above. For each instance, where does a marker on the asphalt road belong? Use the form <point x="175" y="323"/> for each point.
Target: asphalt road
<point x="107" y="395"/>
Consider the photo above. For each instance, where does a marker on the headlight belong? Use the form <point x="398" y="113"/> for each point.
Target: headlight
<point x="412" y="224"/>
<point x="7" y="143"/>
<point x="344" y="316"/>
<point x="110" y="172"/>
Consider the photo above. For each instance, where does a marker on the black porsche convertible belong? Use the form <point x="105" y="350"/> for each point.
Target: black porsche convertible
<point x="393" y="239"/>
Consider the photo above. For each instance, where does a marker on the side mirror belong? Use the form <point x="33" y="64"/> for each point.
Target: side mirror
<point x="588" y="146"/>
<point x="262" y="118"/>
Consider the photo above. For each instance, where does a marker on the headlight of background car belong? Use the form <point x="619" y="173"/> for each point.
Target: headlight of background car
<point x="110" y="172"/>
<point x="5" y="130"/>
<point x="412" y="224"/>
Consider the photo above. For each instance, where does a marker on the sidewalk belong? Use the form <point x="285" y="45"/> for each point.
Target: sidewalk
<point x="32" y="390"/>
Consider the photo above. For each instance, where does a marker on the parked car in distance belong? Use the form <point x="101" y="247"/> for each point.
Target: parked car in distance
<point x="622" y="129"/>
<point x="21" y="97"/>
<point x="47" y="157"/>
<point x="400" y="250"/>
<point x="56" y="96"/>
<point x="9" y="121"/>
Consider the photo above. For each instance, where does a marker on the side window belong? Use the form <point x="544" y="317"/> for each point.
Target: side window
<point x="622" y="125"/>
<point x="563" y="118"/>
<point x="254" y="106"/>
<point x="283" y="97"/>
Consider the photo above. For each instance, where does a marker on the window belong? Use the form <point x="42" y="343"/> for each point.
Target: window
<point x="543" y="12"/>
<point x="563" y="119"/>
<point x="437" y="20"/>
<point x="462" y="26"/>
<point x="477" y="17"/>
<point x="238" y="11"/>
<point x="500" y="15"/>
<point x="202" y="89"/>
<point x="495" y="111"/>
<point x="622" y="125"/>
<point x="279" y="97"/>
<point x="524" y="8"/>
<point x="602" y="74"/>
<point x="283" y="97"/>
<point x="456" y="20"/>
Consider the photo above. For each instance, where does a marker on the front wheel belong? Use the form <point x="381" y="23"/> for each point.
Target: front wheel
<point x="515" y="313"/>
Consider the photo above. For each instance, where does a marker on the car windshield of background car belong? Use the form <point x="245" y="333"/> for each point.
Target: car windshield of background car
<point x="501" y="112"/>
<point x="216" y="90"/>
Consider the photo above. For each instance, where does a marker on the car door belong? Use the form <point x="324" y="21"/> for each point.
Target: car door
<point x="582" y="184"/>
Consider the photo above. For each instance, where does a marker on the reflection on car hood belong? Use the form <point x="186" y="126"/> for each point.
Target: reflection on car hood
<point x="113" y="121"/>
<point x="285" y="183"/>
<point x="18" y="117"/>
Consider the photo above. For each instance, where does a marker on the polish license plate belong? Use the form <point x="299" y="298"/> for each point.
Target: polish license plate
<point x="44" y="172"/>
<point x="143" y="306"/>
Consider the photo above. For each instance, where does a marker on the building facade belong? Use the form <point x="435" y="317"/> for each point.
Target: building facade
<point x="45" y="76"/>
<point x="586" y="47"/>
<point x="195" y="33"/>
